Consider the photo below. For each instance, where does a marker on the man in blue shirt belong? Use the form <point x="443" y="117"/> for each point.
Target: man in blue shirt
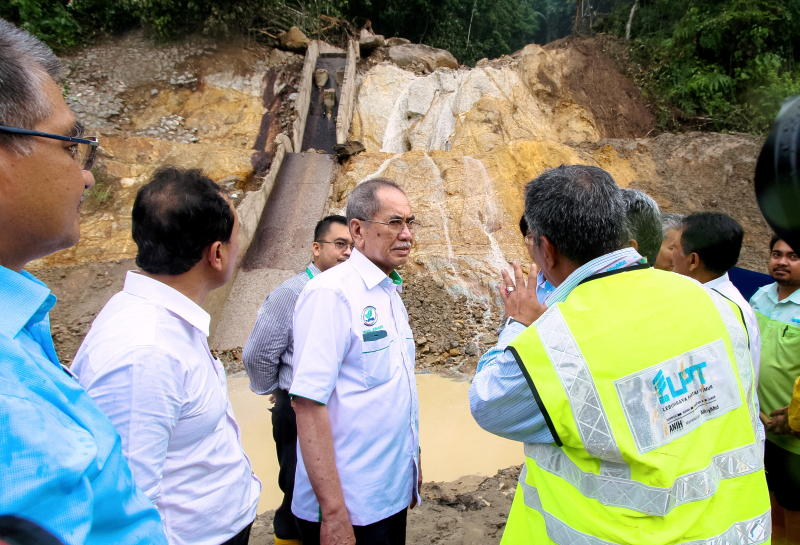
<point x="61" y="460"/>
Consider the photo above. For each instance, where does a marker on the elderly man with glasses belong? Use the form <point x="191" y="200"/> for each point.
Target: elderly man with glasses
<point x="268" y="359"/>
<point x="61" y="459"/>
<point x="354" y="390"/>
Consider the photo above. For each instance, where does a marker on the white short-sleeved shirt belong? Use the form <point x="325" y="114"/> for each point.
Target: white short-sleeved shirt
<point x="724" y="286"/>
<point x="354" y="352"/>
<point x="147" y="364"/>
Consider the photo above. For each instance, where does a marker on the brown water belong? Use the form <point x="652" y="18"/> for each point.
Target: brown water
<point x="452" y="443"/>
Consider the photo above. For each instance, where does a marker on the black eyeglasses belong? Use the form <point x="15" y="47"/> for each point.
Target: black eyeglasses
<point x="339" y="244"/>
<point x="84" y="152"/>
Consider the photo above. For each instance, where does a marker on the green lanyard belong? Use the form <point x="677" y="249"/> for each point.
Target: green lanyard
<point x="309" y="273"/>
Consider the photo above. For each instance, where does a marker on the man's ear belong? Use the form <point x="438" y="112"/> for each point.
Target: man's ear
<point x="633" y="244"/>
<point x="694" y="261"/>
<point x="214" y="256"/>
<point x="356" y="232"/>
<point x="548" y="252"/>
<point x="316" y="248"/>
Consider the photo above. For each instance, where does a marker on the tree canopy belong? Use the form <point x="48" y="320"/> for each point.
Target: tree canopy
<point x="709" y="64"/>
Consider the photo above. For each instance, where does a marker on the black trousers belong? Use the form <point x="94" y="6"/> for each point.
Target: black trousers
<point x="389" y="531"/>
<point x="242" y="538"/>
<point x="783" y="475"/>
<point x="284" y="431"/>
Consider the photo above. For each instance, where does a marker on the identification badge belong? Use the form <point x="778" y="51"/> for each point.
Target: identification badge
<point x="672" y="398"/>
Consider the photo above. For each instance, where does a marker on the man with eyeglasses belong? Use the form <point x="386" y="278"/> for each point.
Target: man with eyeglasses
<point x="268" y="359"/>
<point x="61" y="459"/>
<point x="354" y="391"/>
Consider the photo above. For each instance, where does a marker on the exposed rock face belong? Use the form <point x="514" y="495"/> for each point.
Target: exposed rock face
<point x="558" y="94"/>
<point x="470" y="205"/>
<point x="208" y="119"/>
<point x="421" y="55"/>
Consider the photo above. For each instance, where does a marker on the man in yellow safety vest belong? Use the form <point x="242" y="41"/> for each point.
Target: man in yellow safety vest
<point x="631" y="388"/>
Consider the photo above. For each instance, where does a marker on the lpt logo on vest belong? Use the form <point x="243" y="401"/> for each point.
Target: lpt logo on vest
<point x="685" y="377"/>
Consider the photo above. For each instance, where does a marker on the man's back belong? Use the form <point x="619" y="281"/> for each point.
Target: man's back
<point x="146" y="363"/>
<point x="645" y="404"/>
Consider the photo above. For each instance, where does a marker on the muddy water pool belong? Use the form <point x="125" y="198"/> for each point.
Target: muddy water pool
<point x="452" y="443"/>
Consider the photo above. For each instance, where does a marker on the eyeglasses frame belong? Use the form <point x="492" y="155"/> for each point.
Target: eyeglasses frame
<point x="89" y="140"/>
<point x="335" y="243"/>
<point x="411" y="226"/>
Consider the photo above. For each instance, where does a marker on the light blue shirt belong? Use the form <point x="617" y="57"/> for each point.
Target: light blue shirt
<point x="765" y="301"/>
<point x="60" y="458"/>
<point x="500" y="399"/>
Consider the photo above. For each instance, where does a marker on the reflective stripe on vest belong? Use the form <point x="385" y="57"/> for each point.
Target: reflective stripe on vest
<point x="741" y="353"/>
<point x="573" y="372"/>
<point x="613" y="485"/>
<point x="746" y="532"/>
<point x="637" y="496"/>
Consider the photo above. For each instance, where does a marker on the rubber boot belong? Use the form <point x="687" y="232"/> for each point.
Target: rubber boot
<point x="279" y="541"/>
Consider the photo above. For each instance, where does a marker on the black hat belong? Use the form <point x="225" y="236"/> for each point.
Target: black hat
<point x="778" y="174"/>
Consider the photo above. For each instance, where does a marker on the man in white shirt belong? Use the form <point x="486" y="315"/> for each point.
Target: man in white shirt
<point x="147" y="364"/>
<point x="707" y="247"/>
<point x="267" y="359"/>
<point x="354" y="390"/>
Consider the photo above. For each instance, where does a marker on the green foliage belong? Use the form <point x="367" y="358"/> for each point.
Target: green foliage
<point x="469" y="29"/>
<point x="716" y="64"/>
<point x="51" y="21"/>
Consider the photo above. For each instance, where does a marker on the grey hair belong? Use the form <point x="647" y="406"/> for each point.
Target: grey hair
<point x="25" y="64"/>
<point x="670" y="221"/>
<point x="579" y="209"/>
<point x="363" y="202"/>
<point x="643" y="219"/>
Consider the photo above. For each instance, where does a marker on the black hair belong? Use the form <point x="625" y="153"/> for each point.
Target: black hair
<point x="324" y="225"/>
<point x="716" y="238"/>
<point x="773" y="241"/>
<point x="175" y="217"/>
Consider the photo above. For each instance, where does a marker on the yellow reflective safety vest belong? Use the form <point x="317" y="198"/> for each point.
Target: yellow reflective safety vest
<point x="645" y="380"/>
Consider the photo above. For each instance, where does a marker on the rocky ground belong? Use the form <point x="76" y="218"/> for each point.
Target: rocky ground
<point x="468" y="511"/>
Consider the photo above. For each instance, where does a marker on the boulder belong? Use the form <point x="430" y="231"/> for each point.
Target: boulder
<point x="293" y="39"/>
<point x="396" y="40"/>
<point x="368" y="41"/>
<point x="421" y="56"/>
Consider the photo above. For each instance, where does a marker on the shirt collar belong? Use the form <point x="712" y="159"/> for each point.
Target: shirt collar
<point x="370" y="272"/>
<point x="25" y="298"/>
<point x="313" y="268"/>
<point x="171" y="299"/>
<point x="719" y="281"/>
<point x="772" y="293"/>
<point x="605" y="263"/>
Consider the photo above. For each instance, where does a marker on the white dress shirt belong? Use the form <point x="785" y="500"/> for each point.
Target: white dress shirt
<point x="354" y="352"/>
<point x="147" y="364"/>
<point x="724" y="286"/>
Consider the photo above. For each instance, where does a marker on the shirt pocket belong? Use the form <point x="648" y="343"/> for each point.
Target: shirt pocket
<point x="376" y="361"/>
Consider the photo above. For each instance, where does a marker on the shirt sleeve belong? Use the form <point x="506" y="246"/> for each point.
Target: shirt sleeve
<point x="321" y="341"/>
<point x="269" y="339"/>
<point x="45" y="460"/>
<point x="501" y="400"/>
<point x="142" y="395"/>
